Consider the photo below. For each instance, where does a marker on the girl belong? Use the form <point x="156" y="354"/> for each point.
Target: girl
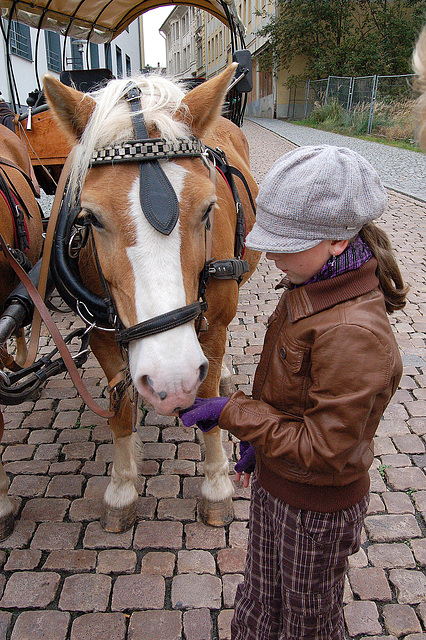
<point x="329" y="367"/>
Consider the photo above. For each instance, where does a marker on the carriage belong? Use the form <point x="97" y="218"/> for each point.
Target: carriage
<point x="145" y="240"/>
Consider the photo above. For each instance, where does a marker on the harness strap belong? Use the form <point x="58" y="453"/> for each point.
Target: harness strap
<point x="157" y="196"/>
<point x="240" y="175"/>
<point x="161" y="323"/>
<point x="228" y="172"/>
<point x="45" y="262"/>
<point x="16" y="206"/>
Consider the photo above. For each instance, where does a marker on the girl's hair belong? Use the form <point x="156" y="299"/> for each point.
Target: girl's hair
<point x="390" y="278"/>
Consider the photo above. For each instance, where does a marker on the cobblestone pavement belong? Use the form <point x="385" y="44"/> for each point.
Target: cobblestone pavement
<point x="171" y="577"/>
<point x="401" y="169"/>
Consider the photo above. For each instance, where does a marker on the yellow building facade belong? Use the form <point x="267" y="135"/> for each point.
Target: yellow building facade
<point x="203" y="50"/>
<point x="271" y="96"/>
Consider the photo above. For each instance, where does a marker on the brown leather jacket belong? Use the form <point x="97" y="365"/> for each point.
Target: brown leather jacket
<point x="329" y="367"/>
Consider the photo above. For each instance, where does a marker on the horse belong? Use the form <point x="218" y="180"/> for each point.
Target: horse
<point x="151" y="235"/>
<point x="419" y="65"/>
<point x="21" y="227"/>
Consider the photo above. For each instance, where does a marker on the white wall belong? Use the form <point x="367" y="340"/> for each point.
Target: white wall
<point x="24" y="70"/>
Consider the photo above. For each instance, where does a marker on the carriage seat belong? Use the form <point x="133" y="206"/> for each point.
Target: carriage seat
<point x="86" y="80"/>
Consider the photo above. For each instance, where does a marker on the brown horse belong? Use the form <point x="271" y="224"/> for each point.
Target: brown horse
<point x="150" y="272"/>
<point x="17" y="192"/>
<point x="419" y="65"/>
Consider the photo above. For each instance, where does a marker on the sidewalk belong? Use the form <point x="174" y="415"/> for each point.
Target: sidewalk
<point x="171" y="577"/>
<point x="400" y="169"/>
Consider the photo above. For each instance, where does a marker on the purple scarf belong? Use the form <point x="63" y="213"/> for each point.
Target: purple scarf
<point x="353" y="257"/>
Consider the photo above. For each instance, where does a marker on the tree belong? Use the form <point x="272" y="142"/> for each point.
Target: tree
<point x="344" y="37"/>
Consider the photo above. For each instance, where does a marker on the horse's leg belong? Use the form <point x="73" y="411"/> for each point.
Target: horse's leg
<point x="217" y="490"/>
<point x="226" y="387"/>
<point x="119" y="505"/>
<point x="7" y="508"/>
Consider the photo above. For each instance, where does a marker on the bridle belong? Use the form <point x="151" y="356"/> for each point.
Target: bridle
<point x="161" y="208"/>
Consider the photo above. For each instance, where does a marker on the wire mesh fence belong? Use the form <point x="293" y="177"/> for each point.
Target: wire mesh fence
<point x="378" y="105"/>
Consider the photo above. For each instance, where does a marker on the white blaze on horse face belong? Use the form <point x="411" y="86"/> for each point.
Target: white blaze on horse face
<point x="166" y="368"/>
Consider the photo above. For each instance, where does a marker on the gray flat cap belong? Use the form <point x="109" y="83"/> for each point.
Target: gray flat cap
<point x="313" y="194"/>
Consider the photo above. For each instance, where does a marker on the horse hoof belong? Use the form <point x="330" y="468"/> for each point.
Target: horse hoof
<point x="118" y="520"/>
<point x="7" y="523"/>
<point x="216" y="514"/>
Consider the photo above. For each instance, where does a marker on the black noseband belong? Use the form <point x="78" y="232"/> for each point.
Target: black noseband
<point x="166" y="321"/>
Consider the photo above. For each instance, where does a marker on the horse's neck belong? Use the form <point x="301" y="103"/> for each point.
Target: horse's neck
<point x="12" y="148"/>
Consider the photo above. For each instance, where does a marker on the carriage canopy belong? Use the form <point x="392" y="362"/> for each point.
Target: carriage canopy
<point x="102" y="20"/>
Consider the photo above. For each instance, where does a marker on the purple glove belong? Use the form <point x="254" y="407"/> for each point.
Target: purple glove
<point x="247" y="461"/>
<point x="204" y="413"/>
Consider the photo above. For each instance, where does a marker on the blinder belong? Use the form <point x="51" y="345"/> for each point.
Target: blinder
<point x="161" y="208"/>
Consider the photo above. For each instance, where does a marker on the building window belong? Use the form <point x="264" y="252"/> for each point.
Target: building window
<point x="119" y="60"/>
<point x="76" y="54"/>
<point x="108" y="56"/>
<point x="53" y="51"/>
<point x="265" y="83"/>
<point x="94" y="56"/>
<point x="20" y="40"/>
<point x="128" y="66"/>
<point x="199" y="56"/>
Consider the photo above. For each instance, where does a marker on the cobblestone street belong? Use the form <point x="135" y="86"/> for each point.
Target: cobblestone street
<point x="171" y="577"/>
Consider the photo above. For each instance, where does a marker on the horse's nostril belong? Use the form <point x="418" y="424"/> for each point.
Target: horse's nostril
<point x="147" y="382"/>
<point x="203" y="371"/>
<point x="162" y="395"/>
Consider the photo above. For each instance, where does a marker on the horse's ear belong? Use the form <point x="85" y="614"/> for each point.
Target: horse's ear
<point x="71" y="107"/>
<point x="204" y="103"/>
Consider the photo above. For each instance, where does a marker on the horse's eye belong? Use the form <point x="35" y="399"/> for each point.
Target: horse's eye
<point x="90" y="218"/>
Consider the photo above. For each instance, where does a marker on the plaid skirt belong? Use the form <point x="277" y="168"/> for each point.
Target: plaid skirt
<point x="295" y="570"/>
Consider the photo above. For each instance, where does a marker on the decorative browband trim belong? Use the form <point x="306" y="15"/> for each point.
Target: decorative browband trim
<point x="147" y="150"/>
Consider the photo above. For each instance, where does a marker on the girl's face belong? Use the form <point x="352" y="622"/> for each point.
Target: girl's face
<point x="301" y="266"/>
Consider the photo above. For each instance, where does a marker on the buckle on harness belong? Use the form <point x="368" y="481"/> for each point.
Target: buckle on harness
<point x="230" y="269"/>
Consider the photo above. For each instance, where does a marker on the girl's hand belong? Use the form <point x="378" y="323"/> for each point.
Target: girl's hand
<point x="204" y="413"/>
<point x="246" y="463"/>
<point x="246" y="478"/>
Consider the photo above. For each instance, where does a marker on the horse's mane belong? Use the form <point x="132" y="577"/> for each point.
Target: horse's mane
<point x="419" y="65"/>
<point x="110" y="122"/>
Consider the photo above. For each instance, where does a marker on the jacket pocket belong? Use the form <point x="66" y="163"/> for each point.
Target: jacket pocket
<point x="292" y="358"/>
<point x="293" y="370"/>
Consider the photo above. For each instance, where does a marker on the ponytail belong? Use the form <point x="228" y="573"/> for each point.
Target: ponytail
<point x="388" y="273"/>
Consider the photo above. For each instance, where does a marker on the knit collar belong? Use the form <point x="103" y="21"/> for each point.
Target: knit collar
<point x="314" y="297"/>
<point x="353" y="257"/>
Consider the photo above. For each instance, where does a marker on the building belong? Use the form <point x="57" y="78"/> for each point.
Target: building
<point x="33" y="53"/>
<point x="182" y="30"/>
<point x="199" y="45"/>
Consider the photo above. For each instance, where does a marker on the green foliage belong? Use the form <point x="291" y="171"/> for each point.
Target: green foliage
<point x="344" y="37"/>
<point x="331" y="113"/>
<point x="392" y="119"/>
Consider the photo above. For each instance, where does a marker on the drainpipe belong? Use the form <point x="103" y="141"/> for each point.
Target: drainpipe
<point x="275" y="73"/>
